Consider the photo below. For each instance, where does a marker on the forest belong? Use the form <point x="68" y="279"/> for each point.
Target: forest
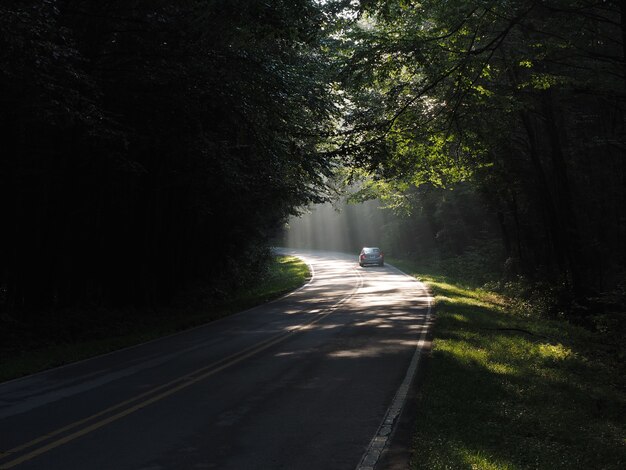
<point x="148" y="145"/>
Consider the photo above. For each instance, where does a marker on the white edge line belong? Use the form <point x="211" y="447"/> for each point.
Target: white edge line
<point x="380" y="440"/>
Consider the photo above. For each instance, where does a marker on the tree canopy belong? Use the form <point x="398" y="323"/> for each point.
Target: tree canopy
<point x="522" y="100"/>
<point x="148" y="144"/>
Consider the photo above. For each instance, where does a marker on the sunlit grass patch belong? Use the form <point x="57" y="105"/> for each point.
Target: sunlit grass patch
<point x="511" y="392"/>
<point x="284" y="275"/>
<point x="459" y="317"/>
<point x="460" y="301"/>
<point x="555" y="352"/>
<point x="483" y="460"/>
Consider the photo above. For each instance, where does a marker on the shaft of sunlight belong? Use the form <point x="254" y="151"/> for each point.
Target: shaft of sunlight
<point x="339" y="227"/>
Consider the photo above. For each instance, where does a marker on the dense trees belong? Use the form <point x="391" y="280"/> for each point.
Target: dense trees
<point x="524" y="101"/>
<point x="149" y="143"/>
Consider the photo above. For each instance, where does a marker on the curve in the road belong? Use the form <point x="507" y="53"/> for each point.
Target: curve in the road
<point x="126" y="407"/>
<point x="257" y="388"/>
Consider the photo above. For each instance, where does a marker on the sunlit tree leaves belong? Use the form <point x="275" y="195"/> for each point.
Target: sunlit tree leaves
<point x="523" y="99"/>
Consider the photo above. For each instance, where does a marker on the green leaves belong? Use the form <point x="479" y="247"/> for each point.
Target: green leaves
<point x="509" y="96"/>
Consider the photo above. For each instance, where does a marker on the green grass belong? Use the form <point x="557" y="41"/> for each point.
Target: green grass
<point x="509" y="390"/>
<point x="69" y="336"/>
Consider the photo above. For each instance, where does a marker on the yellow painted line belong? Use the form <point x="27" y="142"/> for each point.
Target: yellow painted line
<point x="143" y="404"/>
<point x="188" y="380"/>
<point x="124" y="403"/>
<point x="85" y="420"/>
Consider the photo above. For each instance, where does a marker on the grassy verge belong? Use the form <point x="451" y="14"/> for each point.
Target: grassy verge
<point x="69" y="336"/>
<point x="507" y="389"/>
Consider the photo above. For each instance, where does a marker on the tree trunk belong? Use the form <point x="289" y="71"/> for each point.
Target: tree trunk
<point x="550" y="217"/>
<point x="564" y="204"/>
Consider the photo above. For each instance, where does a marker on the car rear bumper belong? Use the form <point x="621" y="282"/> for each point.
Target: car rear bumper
<point x="371" y="262"/>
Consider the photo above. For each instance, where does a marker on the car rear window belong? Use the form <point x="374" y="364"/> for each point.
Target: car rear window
<point x="371" y="250"/>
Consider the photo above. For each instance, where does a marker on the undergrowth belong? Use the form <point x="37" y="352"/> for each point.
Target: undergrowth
<point x="63" y="336"/>
<point x="509" y="388"/>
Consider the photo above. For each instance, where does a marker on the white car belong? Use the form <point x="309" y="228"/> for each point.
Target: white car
<point x="371" y="255"/>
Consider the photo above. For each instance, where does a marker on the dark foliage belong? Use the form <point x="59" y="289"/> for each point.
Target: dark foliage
<point x="147" y="144"/>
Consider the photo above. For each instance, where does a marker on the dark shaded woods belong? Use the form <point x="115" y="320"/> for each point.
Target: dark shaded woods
<point x="149" y="144"/>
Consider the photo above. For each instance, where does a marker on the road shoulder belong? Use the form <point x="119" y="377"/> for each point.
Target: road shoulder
<point x="398" y="454"/>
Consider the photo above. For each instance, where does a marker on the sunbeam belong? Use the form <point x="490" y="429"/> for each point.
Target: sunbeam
<point x="340" y="227"/>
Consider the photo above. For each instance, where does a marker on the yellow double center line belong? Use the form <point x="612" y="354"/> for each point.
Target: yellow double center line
<point x="138" y="402"/>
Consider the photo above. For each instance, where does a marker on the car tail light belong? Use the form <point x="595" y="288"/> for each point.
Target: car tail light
<point x="362" y="256"/>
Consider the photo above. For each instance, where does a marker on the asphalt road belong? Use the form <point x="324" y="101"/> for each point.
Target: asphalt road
<point x="305" y="382"/>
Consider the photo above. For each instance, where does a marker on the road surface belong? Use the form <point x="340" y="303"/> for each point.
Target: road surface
<point x="311" y="381"/>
